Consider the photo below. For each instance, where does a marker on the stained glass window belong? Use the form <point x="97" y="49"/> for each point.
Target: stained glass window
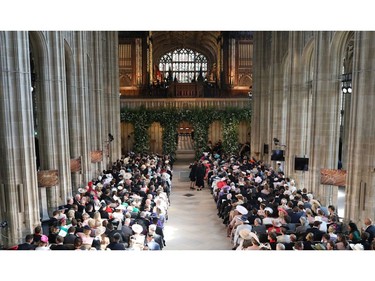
<point x="184" y="65"/>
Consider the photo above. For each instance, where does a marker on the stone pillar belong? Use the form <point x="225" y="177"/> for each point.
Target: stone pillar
<point x="99" y="138"/>
<point x="53" y="116"/>
<point x="360" y="189"/>
<point x="298" y="95"/>
<point x="279" y="90"/>
<point x="111" y="94"/>
<point x="260" y="96"/>
<point x="74" y="108"/>
<point x="82" y="80"/>
<point x="18" y="180"/>
<point x="326" y="102"/>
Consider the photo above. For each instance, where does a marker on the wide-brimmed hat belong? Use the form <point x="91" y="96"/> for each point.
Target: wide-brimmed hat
<point x="137" y="228"/>
<point x="82" y="190"/>
<point x="100" y="230"/>
<point x="357" y="246"/>
<point x="244" y="233"/>
<point x="248" y="235"/>
<point x="269" y="209"/>
<point x="241" y="209"/>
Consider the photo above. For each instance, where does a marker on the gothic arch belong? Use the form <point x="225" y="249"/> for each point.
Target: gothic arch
<point x="338" y="49"/>
<point x="39" y="60"/>
<point x="245" y="80"/>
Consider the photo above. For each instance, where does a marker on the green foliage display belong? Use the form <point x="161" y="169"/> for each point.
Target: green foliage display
<point x="200" y="118"/>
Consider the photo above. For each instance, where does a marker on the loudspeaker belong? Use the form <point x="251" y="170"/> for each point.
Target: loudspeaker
<point x="265" y="148"/>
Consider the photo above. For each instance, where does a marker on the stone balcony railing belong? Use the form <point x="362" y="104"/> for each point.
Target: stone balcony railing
<point x="186" y="103"/>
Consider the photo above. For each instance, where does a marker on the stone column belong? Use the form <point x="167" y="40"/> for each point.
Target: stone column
<point x="74" y="109"/>
<point x="99" y="138"/>
<point x="83" y="96"/>
<point x="298" y="95"/>
<point x="325" y="113"/>
<point x="18" y="181"/>
<point x="360" y="200"/>
<point x="260" y="97"/>
<point x="111" y="95"/>
<point x="53" y="117"/>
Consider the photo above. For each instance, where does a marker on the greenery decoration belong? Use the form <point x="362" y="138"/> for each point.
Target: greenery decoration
<point x="200" y="118"/>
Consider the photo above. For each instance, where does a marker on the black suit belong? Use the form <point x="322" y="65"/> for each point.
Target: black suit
<point x="58" y="247"/>
<point x="116" y="246"/>
<point x="26" y="246"/>
<point x="69" y="238"/>
<point x="158" y="239"/>
<point x="371" y="231"/>
<point x="126" y="233"/>
<point x="318" y="234"/>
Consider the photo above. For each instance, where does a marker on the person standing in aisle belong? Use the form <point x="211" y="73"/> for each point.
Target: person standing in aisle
<point x="200" y="174"/>
<point x="192" y="175"/>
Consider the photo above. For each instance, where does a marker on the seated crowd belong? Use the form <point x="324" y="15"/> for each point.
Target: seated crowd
<point x="264" y="209"/>
<point x="124" y="208"/>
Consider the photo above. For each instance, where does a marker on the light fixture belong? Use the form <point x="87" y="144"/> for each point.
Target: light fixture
<point x="346" y="89"/>
<point x="346" y="84"/>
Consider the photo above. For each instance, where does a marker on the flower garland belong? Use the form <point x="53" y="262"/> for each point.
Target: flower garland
<point x="200" y="118"/>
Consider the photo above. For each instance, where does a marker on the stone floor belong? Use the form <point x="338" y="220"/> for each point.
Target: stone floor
<point x="193" y="223"/>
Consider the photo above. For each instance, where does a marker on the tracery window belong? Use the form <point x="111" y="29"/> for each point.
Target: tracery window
<point x="185" y="65"/>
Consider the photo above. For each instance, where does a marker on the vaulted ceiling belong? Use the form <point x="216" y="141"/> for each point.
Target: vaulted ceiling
<point x="204" y="42"/>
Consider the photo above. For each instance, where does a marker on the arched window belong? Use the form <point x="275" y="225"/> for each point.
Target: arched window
<point x="185" y="65"/>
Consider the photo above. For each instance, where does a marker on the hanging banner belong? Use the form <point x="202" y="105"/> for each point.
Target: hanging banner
<point x="48" y="178"/>
<point x="96" y="156"/>
<point x="333" y="177"/>
<point x="75" y="165"/>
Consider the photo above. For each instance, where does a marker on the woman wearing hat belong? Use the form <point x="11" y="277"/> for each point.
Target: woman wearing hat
<point x="101" y="238"/>
<point x="43" y="244"/>
<point x="86" y="237"/>
<point x="137" y="240"/>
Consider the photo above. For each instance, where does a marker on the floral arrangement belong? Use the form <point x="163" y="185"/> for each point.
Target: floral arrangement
<point x="200" y="118"/>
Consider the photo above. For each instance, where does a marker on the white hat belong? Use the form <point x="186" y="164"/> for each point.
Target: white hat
<point x="242" y="210"/>
<point x="82" y="190"/>
<point x="137" y="228"/>
<point x="357" y="246"/>
<point x="269" y="209"/>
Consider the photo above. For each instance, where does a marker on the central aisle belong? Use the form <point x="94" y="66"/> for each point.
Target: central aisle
<point x="193" y="223"/>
